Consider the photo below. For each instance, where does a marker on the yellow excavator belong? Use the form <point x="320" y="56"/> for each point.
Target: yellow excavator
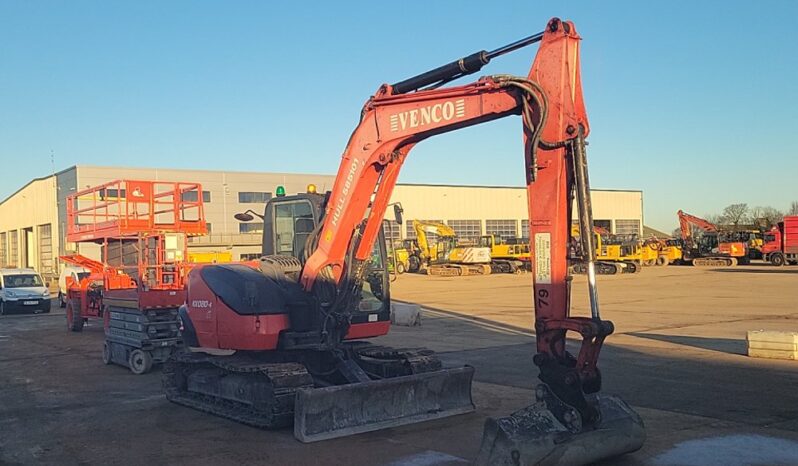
<point x="614" y="253"/>
<point x="662" y="252"/>
<point x="439" y="254"/>
<point x="506" y="256"/>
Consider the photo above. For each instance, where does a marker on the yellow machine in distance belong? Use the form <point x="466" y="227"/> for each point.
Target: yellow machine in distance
<point x="662" y="252"/>
<point x="210" y="257"/>
<point x="515" y="255"/>
<point x="443" y="256"/>
<point x="614" y="253"/>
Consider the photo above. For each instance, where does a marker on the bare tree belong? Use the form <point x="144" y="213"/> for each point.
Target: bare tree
<point x="793" y="208"/>
<point x="736" y="213"/>
<point x="765" y="216"/>
<point x="715" y="218"/>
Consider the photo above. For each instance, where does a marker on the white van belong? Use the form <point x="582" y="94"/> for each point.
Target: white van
<point x="23" y="290"/>
<point x="77" y="273"/>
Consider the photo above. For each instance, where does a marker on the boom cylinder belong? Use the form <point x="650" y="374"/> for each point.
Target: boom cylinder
<point x="467" y="65"/>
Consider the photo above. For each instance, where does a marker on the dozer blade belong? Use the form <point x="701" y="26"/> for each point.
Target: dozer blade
<point x="341" y="410"/>
<point x="534" y="436"/>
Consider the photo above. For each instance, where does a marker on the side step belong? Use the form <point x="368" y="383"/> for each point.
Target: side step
<point x="341" y="410"/>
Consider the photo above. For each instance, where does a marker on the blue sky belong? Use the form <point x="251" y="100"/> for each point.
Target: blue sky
<point x="692" y="102"/>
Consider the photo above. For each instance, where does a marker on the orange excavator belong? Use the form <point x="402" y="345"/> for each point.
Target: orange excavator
<point x="713" y="248"/>
<point x="281" y="341"/>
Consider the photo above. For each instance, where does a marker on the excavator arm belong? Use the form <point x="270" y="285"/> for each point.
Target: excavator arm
<point x="555" y="125"/>
<point x="422" y="227"/>
<point x="686" y="221"/>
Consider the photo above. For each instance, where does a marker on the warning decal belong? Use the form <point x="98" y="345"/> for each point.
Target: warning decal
<point x="543" y="258"/>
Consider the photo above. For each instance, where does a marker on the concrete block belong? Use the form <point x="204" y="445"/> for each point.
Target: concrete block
<point x="408" y="315"/>
<point x="772" y="344"/>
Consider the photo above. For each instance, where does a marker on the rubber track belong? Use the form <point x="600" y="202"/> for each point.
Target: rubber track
<point x="285" y="379"/>
<point x="714" y="262"/>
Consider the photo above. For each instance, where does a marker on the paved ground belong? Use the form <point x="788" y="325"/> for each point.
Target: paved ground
<point x="678" y="358"/>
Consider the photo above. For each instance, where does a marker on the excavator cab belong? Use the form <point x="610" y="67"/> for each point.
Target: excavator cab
<point x="289" y="223"/>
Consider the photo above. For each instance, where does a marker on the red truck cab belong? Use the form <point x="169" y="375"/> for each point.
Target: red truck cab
<point x="781" y="242"/>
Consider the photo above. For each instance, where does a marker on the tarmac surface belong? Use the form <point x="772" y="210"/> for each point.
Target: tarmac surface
<point x="678" y="357"/>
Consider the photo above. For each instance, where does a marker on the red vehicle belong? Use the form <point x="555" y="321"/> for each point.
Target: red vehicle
<point x="781" y="242"/>
<point x="139" y="283"/>
<point x="713" y="248"/>
<point x="294" y="323"/>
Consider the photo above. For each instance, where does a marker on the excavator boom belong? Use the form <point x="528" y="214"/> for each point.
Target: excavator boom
<point x="555" y="126"/>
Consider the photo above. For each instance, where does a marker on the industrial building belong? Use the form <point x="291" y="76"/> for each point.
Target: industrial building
<point x="33" y="219"/>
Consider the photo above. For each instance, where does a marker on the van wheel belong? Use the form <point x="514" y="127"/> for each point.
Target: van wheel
<point x="2" y="308"/>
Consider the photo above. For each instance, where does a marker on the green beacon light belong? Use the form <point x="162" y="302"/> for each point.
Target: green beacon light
<point x="280" y="191"/>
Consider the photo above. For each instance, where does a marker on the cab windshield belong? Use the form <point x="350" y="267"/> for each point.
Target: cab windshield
<point x="20" y="281"/>
<point x="373" y="291"/>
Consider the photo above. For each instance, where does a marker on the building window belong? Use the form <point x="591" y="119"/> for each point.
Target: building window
<point x="46" y="265"/>
<point x="410" y="232"/>
<point x="603" y="225"/>
<point x="208" y="226"/>
<point x="392" y="230"/>
<point x="251" y="227"/>
<point x="191" y="196"/>
<point x="506" y="229"/>
<point x="111" y="193"/>
<point x="3" y="246"/>
<point x="627" y="227"/>
<point x="468" y="230"/>
<point x="249" y="256"/>
<point x="13" y="248"/>
<point x="248" y="197"/>
<point x="525" y="228"/>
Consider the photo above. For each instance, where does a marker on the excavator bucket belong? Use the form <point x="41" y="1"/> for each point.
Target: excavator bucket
<point x="341" y="410"/>
<point x="535" y="436"/>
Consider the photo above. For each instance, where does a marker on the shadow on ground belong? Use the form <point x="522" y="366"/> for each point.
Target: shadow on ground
<point x="743" y="269"/>
<point x="724" y="345"/>
<point x="57" y="394"/>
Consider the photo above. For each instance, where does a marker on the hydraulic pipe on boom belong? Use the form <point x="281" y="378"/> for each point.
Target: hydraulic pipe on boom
<point x="463" y="67"/>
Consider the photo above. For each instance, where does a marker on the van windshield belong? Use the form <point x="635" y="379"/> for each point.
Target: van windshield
<point x="23" y="280"/>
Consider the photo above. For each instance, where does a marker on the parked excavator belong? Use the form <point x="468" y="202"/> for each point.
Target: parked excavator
<point x="713" y="248"/>
<point x="294" y="320"/>
<point x="507" y="255"/>
<point x="440" y="254"/>
<point x="614" y="254"/>
<point x="661" y="251"/>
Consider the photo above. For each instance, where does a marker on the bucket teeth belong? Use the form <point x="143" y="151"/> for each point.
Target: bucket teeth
<point x="534" y="436"/>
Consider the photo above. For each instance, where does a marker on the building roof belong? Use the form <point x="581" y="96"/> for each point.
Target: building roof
<point x="283" y="173"/>
<point x="648" y="231"/>
<point x="35" y="180"/>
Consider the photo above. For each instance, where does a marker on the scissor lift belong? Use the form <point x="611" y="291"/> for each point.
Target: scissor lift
<point x="139" y="283"/>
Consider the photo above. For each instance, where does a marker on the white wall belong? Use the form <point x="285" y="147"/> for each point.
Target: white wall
<point x="32" y="206"/>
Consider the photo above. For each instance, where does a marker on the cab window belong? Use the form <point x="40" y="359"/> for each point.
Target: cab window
<point x="373" y="291"/>
<point x="293" y="223"/>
